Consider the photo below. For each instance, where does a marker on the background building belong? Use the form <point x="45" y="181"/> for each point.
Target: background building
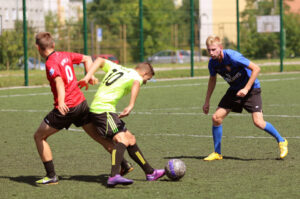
<point x="12" y="11"/>
<point x="219" y="18"/>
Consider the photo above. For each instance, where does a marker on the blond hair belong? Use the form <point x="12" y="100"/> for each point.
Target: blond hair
<point x="44" y="40"/>
<point x="145" y="67"/>
<point x="213" y="39"/>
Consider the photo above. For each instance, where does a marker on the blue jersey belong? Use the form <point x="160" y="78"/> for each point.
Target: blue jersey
<point x="233" y="69"/>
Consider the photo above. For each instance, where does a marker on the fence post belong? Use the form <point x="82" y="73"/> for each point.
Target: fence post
<point x="25" y="43"/>
<point x="141" y="31"/>
<point x="238" y="25"/>
<point x="192" y="36"/>
<point x="281" y="37"/>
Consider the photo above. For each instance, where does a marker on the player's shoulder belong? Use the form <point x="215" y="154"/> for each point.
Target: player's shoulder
<point x="232" y="53"/>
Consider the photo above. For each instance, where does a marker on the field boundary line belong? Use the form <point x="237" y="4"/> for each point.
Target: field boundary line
<point x="151" y="113"/>
<point x="160" y="80"/>
<point x="148" y="87"/>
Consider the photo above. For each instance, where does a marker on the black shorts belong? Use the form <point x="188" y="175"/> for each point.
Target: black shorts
<point x="108" y="124"/>
<point x="251" y="102"/>
<point x="78" y="115"/>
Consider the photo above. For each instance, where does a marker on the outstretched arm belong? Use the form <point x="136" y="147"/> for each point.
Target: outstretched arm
<point x="98" y="63"/>
<point x="134" y="93"/>
<point x="210" y="88"/>
<point x="255" y="71"/>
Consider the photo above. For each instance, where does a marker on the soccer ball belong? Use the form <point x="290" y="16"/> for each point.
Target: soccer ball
<point x="175" y="169"/>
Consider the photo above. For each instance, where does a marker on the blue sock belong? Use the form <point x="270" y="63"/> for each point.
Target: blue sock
<point x="217" y="132"/>
<point x="272" y="131"/>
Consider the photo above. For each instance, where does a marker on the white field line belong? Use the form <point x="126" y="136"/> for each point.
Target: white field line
<point x="151" y="87"/>
<point x="198" y="136"/>
<point x="160" y="80"/>
<point x="156" y="113"/>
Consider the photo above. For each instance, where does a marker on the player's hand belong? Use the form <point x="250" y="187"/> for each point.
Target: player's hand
<point x="63" y="108"/>
<point x="83" y="83"/>
<point x="242" y="93"/>
<point x="205" y="108"/>
<point x="93" y="80"/>
<point x="126" y="111"/>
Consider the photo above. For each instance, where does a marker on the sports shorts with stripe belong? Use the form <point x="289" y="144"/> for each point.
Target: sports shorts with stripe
<point x="78" y="115"/>
<point x="107" y="124"/>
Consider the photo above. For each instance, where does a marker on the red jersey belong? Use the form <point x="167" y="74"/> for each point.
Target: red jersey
<point x="61" y="64"/>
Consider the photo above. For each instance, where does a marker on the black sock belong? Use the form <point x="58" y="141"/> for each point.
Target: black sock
<point x="117" y="155"/>
<point x="136" y="154"/>
<point x="125" y="164"/>
<point x="49" y="166"/>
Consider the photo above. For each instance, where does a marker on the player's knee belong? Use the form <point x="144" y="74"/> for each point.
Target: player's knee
<point x="217" y="120"/>
<point x="132" y="140"/>
<point x="259" y="123"/>
<point x="37" y="136"/>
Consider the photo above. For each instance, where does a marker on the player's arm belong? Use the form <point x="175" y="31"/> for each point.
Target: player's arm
<point x="134" y="93"/>
<point x="210" y="88"/>
<point x="60" y="88"/>
<point x="98" y="63"/>
<point x="255" y="71"/>
<point x="87" y="62"/>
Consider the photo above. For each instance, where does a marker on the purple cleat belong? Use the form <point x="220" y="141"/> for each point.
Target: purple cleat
<point x="157" y="173"/>
<point x="117" y="179"/>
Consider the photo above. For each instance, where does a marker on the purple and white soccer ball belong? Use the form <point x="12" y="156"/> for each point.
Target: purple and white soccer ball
<point x="175" y="169"/>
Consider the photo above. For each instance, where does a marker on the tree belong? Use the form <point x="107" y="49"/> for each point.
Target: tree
<point x="266" y="45"/>
<point x="159" y="17"/>
<point x="11" y="45"/>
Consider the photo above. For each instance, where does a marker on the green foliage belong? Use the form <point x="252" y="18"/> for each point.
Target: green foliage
<point x="159" y="18"/>
<point x="12" y="48"/>
<point x="292" y="26"/>
<point x="68" y="36"/>
<point x="267" y="45"/>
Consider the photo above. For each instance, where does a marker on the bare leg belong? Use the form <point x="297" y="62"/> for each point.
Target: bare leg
<point x="92" y="132"/>
<point x="40" y="137"/>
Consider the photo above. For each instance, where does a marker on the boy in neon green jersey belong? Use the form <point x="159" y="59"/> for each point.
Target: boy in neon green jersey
<point x="118" y="82"/>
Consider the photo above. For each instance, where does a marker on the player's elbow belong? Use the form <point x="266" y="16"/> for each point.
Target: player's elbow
<point x="258" y="69"/>
<point x="87" y="58"/>
<point x="100" y="62"/>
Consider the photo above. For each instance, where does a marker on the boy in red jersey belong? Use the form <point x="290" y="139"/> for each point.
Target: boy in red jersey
<point x="70" y="106"/>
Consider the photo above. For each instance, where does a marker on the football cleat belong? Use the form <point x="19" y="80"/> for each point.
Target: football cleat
<point x="126" y="170"/>
<point x="47" y="181"/>
<point x="213" y="156"/>
<point x="283" y="147"/>
<point x="118" y="179"/>
<point x="157" y="173"/>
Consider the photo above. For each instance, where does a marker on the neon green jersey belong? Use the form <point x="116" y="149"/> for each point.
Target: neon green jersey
<point x="117" y="83"/>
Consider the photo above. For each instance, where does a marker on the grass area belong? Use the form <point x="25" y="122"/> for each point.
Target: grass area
<point x="36" y="77"/>
<point x="168" y="123"/>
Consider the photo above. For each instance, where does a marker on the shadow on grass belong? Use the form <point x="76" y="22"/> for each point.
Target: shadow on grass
<point x="30" y="180"/>
<point x="224" y="157"/>
<point x="102" y="179"/>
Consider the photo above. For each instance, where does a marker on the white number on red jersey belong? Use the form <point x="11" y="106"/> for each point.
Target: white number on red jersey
<point x="69" y="73"/>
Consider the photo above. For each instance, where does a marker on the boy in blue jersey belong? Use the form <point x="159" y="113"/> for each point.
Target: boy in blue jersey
<point x="118" y="82"/>
<point x="244" y="92"/>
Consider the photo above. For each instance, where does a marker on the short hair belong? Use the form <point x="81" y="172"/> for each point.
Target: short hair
<point x="44" y="40"/>
<point x="213" y="39"/>
<point x="146" y="67"/>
